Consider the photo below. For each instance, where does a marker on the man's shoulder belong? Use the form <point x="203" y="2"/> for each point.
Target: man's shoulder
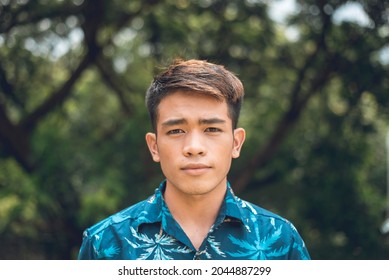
<point x="267" y="221"/>
<point x="130" y="215"/>
<point x="260" y="213"/>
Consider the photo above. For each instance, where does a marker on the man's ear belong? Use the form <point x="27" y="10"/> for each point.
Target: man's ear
<point x="151" y="140"/>
<point x="239" y="137"/>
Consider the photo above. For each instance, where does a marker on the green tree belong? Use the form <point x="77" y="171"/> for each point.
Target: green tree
<point x="72" y="118"/>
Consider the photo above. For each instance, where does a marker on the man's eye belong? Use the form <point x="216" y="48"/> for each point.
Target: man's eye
<point x="175" y="131"/>
<point x="212" y="129"/>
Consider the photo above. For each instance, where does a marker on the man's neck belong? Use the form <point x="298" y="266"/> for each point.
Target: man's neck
<point x="194" y="213"/>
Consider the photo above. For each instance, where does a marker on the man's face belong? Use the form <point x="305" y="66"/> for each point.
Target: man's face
<point x="195" y="142"/>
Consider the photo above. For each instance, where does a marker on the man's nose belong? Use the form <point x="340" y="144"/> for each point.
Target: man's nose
<point x="194" y="144"/>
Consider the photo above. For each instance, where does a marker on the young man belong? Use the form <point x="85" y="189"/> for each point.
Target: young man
<point x="194" y="108"/>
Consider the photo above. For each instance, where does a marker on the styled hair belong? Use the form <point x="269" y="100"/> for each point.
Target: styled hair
<point x="196" y="76"/>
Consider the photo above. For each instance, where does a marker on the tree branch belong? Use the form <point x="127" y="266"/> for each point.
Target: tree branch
<point x="12" y="20"/>
<point x="90" y="28"/>
<point x="58" y="97"/>
<point x="7" y="88"/>
<point x="298" y="102"/>
<point x="108" y="74"/>
<point x="15" y="141"/>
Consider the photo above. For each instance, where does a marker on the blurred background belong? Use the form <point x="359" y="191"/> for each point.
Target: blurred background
<point x="73" y="75"/>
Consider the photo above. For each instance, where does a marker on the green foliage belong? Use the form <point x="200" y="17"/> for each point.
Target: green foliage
<point x="73" y="75"/>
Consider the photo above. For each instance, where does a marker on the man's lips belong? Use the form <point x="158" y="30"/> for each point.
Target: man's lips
<point x="195" y="168"/>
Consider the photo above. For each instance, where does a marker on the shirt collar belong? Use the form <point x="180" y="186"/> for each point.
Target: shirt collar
<point x="155" y="209"/>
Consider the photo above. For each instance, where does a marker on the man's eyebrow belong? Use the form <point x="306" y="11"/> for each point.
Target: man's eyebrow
<point x="173" y="122"/>
<point x="211" y="121"/>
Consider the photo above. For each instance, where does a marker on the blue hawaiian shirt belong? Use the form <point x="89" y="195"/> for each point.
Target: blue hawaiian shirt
<point x="148" y="231"/>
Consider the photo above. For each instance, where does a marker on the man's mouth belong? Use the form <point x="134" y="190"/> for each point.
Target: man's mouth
<point x="195" y="169"/>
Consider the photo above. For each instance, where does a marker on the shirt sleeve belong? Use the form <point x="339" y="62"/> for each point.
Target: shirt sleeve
<point x="87" y="251"/>
<point x="298" y="250"/>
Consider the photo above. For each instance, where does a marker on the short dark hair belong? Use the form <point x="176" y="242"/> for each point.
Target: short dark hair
<point x="196" y="76"/>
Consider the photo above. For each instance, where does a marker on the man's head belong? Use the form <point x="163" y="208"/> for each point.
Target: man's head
<point x="200" y="77"/>
<point x="194" y="107"/>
